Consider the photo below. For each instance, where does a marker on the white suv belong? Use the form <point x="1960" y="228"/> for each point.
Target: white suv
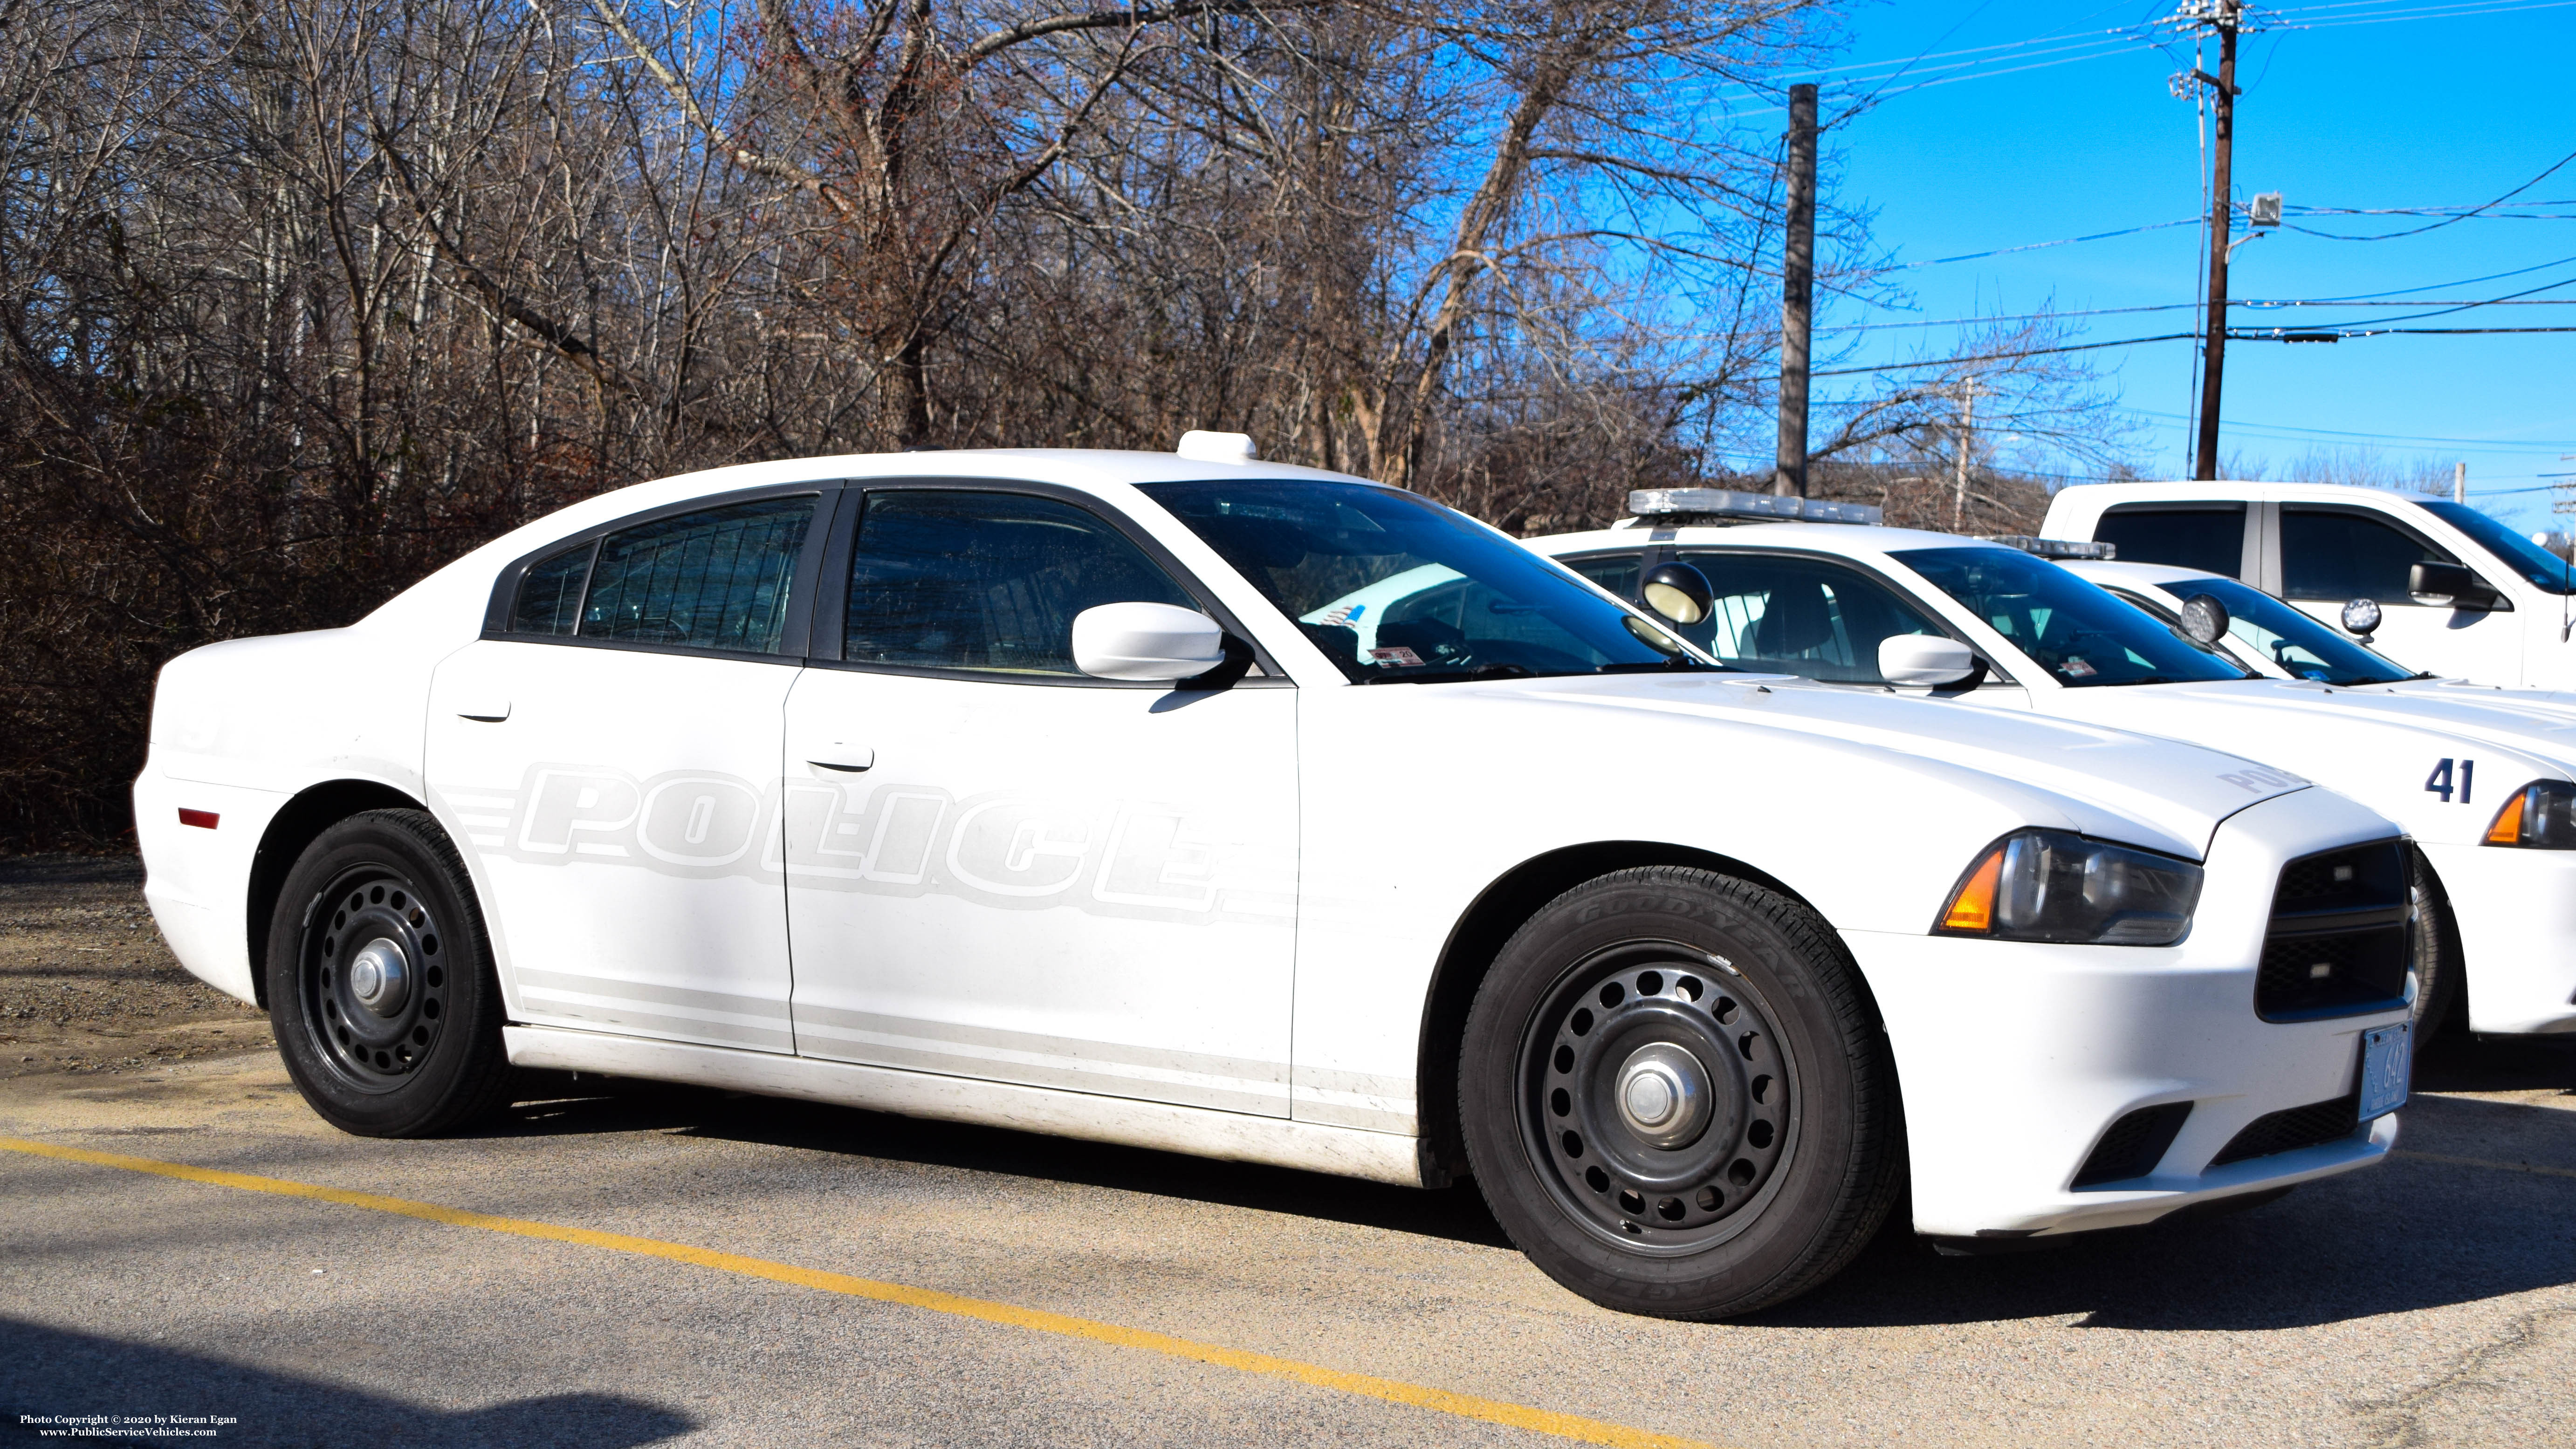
<point x="2459" y="594"/>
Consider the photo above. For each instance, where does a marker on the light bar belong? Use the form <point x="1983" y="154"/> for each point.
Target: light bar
<point x="2056" y="547"/>
<point x="1666" y="503"/>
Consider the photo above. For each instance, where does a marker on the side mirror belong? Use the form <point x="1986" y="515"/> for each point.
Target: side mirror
<point x="2360" y="617"/>
<point x="1924" y="659"/>
<point x="2204" y="620"/>
<point x="2445" y="584"/>
<point x="1679" y="592"/>
<point x="1151" y="642"/>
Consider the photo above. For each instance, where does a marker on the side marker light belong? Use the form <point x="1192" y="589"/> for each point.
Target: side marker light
<point x="2507" y="829"/>
<point x="202" y="819"/>
<point x="1973" y="908"/>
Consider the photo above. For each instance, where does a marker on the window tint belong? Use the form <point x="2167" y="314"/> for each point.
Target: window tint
<point x="2334" y="555"/>
<point x="1393" y="587"/>
<point x="550" y="593"/>
<point x="717" y="579"/>
<point x="2304" y="648"/>
<point x="953" y="579"/>
<point x="2077" y="632"/>
<point x="2209" y="539"/>
<point x="1616" y="572"/>
<point x="2539" y="567"/>
<point x="1798" y="616"/>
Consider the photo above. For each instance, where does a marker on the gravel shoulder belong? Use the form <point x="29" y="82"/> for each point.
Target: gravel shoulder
<point x="86" y="985"/>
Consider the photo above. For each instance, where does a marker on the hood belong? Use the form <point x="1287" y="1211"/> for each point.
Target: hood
<point x="2415" y="756"/>
<point x="2110" y="783"/>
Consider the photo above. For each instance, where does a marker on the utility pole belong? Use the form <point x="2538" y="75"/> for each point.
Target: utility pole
<point x="2459" y="482"/>
<point x="1797" y="294"/>
<point x="2226" y="16"/>
<point x="1964" y="442"/>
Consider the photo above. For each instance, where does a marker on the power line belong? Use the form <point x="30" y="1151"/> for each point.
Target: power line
<point x="2275" y="334"/>
<point x="2552" y="169"/>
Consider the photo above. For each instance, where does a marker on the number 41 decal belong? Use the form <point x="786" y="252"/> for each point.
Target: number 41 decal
<point x="2439" y="782"/>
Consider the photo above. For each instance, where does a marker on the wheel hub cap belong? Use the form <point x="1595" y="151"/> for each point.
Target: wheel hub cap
<point x="379" y="977"/>
<point x="1663" y="1095"/>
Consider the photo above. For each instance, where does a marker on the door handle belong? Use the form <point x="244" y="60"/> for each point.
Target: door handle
<point x="484" y="711"/>
<point x="847" y="758"/>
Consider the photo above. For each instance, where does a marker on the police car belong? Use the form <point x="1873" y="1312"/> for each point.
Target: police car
<point x="2482" y="785"/>
<point x="2274" y="638"/>
<point x="1252" y="811"/>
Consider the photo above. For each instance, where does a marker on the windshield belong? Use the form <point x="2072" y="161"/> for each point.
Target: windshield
<point x="2282" y="634"/>
<point x="1395" y="588"/>
<point x="2538" y="566"/>
<point x="2078" y="633"/>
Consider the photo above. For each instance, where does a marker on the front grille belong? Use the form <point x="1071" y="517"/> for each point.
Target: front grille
<point x="2313" y="1125"/>
<point x="2339" y="937"/>
<point x="2134" y="1145"/>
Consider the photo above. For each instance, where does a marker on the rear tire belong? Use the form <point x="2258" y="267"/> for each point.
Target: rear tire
<point x="380" y="981"/>
<point x="1644" y="992"/>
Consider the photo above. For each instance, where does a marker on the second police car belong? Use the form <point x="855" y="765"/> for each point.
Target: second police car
<point x="2485" y="787"/>
<point x="1093" y="794"/>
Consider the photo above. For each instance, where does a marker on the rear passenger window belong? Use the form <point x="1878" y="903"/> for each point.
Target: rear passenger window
<point x="550" y="594"/>
<point x="716" y="579"/>
<point x="2327" y="553"/>
<point x="2209" y="539"/>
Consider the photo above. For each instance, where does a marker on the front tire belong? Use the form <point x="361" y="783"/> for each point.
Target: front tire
<point x="2437" y="961"/>
<point x="380" y="982"/>
<point x="1677" y="1097"/>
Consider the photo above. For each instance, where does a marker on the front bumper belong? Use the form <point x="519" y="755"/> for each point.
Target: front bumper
<point x="2516" y="911"/>
<point x="2015" y="1058"/>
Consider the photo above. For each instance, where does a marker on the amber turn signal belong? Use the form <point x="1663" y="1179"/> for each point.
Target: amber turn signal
<point x="1973" y="908"/>
<point x="2507" y="829"/>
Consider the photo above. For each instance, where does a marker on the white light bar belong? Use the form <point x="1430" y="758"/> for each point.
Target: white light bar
<point x="2055" y="547"/>
<point x="1728" y="503"/>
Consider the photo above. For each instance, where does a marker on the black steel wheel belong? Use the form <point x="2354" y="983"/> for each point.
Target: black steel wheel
<point x="1676" y="1095"/>
<point x="1660" y="1095"/>
<point x="378" y="980"/>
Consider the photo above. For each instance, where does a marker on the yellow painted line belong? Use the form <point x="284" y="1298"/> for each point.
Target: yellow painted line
<point x="2484" y="1162"/>
<point x="1395" y="1391"/>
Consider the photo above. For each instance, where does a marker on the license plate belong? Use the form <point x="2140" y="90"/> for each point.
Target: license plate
<point x="2387" y="1060"/>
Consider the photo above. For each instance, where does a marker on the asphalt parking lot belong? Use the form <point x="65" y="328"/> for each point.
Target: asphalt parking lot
<point x="2432" y="1301"/>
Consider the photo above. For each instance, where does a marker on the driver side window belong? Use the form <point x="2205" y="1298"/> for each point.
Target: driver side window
<point x="984" y="581"/>
<point x="1799" y="616"/>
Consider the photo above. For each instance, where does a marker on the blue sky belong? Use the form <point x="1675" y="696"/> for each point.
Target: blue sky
<point x="2380" y="103"/>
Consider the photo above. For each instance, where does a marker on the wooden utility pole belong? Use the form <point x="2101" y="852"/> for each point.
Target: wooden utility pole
<point x="2226" y="16"/>
<point x="1965" y="441"/>
<point x="1797" y="294"/>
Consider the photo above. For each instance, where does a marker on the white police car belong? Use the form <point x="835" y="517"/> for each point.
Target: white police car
<point x="1116" y="795"/>
<point x="2483" y="785"/>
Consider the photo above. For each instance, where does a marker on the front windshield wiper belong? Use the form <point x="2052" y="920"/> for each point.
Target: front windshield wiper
<point x="1678" y="661"/>
<point x="1481" y="671"/>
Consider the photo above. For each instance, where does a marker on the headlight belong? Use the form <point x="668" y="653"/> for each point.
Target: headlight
<point x="2540" y="816"/>
<point x="2052" y="885"/>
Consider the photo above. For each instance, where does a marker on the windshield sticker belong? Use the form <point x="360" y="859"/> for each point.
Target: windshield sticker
<point x="1398" y="655"/>
<point x="1346" y="615"/>
<point x="2078" y="668"/>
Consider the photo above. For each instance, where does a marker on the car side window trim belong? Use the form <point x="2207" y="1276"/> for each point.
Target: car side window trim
<point x="1655" y="555"/>
<point x="794" y="634"/>
<point x="831" y="600"/>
